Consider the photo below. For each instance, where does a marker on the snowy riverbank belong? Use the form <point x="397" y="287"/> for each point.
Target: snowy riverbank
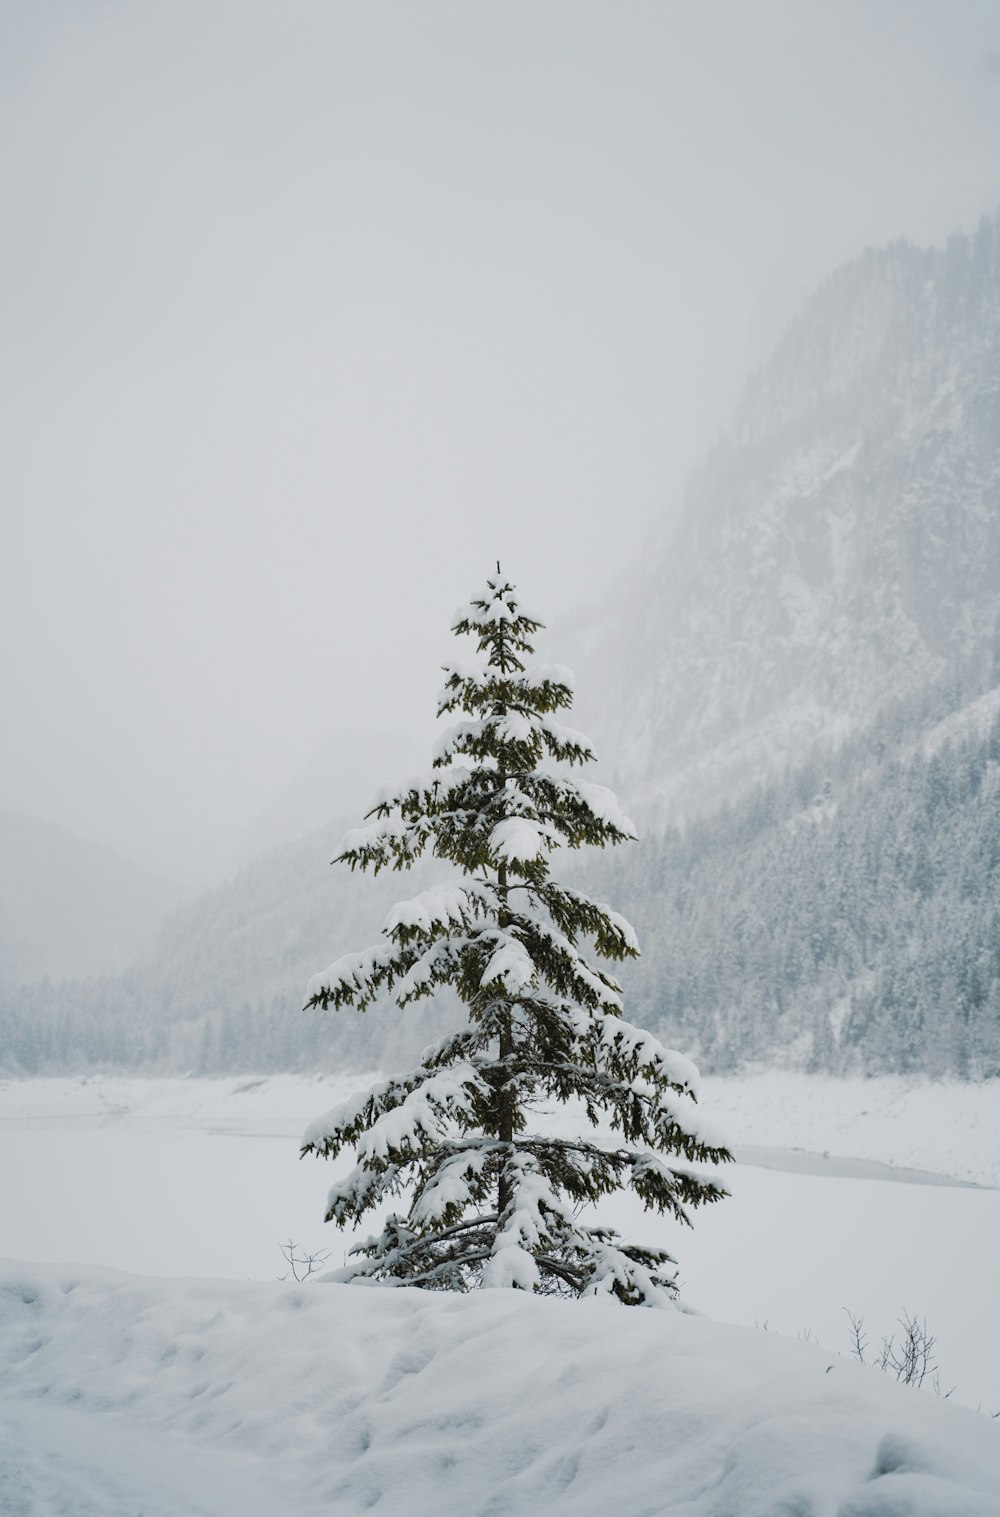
<point x="943" y="1128"/>
<point x="202" y="1178"/>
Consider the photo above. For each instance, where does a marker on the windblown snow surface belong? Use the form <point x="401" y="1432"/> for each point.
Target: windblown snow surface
<point x="125" y="1395"/>
<point x="132" y="1396"/>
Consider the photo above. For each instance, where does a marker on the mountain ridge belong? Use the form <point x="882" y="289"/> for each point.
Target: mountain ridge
<point x="838" y="548"/>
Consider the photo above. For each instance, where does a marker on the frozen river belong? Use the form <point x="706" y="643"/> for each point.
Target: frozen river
<point x="197" y="1178"/>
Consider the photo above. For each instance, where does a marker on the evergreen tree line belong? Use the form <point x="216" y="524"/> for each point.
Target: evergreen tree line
<point x="111" y="1026"/>
<point x="845" y="921"/>
<point x="223" y="990"/>
<point x="844" y="917"/>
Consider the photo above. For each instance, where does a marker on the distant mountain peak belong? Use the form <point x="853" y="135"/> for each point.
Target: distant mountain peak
<point x="838" y="549"/>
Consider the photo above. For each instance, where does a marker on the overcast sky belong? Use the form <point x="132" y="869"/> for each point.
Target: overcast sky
<point x="312" y="310"/>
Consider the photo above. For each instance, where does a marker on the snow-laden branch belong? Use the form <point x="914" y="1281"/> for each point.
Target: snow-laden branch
<point x="455" y="738"/>
<point x="413" y="789"/>
<point x="604" y="804"/>
<point x="432" y="967"/>
<point x="564" y="966"/>
<point x="640" y="1051"/>
<point x="613" y="935"/>
<point x="457" y="1182"/>
<point x="616" y="1272"/>
<point x="387" y="829"/>
<point x="354" y="977"/>
<point x="536" y="1218"/>
<point x="550" y="674"/>
<point x="517" y="840"/>
<point x="452" y="903"/>
<point x="511" y="965"/>
<point x="401" y="1128"/>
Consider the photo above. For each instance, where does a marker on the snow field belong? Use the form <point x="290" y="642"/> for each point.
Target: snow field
<point x="190" y="1398"/>
<point x="199" y="1177"/>
<point x="942" y="1127"/>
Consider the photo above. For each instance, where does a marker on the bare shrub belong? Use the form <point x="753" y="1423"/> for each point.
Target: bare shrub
<point x="300" y="1265"/>
<point x="908" y="1357"/>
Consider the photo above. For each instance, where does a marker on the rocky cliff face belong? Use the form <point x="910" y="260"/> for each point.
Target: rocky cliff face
<point x="838" y="549"/>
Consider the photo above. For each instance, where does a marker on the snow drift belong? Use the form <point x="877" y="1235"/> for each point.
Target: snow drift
<point x="121" y="1394"/>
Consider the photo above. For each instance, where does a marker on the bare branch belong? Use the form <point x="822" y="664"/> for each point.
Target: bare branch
<point x="300" y="1265"/>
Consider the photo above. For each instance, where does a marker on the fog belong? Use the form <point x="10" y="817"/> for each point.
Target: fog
<point x="312" y="311"/>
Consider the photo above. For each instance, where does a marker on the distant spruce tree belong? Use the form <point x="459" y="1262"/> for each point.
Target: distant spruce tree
<point x="491" y="1198"/>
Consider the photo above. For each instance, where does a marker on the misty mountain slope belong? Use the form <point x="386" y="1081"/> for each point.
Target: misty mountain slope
<point x="827" y="613"/>
<point x="236" y="962"/>
<point x="70" y="907"/>
<point x="841" y="917"/>
<point x="844" y="918"/>
<point x="223" y="987"/>
<point x="840" y="548"/>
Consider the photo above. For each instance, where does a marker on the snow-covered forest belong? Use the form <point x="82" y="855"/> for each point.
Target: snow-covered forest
<point x="841" y="917"/>
<point x="813" y="763"/>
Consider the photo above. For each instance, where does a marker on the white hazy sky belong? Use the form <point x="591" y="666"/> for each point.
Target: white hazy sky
<point x="311" y="309"/>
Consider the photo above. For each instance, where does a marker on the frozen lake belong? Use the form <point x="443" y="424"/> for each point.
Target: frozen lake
<point x="200" y="1178"/>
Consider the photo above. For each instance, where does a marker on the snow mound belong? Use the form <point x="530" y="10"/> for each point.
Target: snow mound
<point x="194" y="1398"/>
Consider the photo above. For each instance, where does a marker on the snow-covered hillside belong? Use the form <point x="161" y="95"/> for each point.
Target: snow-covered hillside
<point x="226" y="1399"/>
<point x="840" y="547"/>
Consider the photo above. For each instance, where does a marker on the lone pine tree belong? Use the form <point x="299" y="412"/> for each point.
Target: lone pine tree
<point x="491" y="1198"/>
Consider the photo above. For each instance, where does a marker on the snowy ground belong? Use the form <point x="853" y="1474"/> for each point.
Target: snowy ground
<point x="123" y="1396"/>
<point x="939" y="1127"/>
<point x="942" y="1128"/>
<point x="161" y="1396"/>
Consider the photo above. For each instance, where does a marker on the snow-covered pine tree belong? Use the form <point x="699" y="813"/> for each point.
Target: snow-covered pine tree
<point x="491" y="1197"/>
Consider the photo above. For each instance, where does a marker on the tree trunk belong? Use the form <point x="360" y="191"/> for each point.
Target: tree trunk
<point x="505" y="1101"/>
<point x="505" y="1114"/>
